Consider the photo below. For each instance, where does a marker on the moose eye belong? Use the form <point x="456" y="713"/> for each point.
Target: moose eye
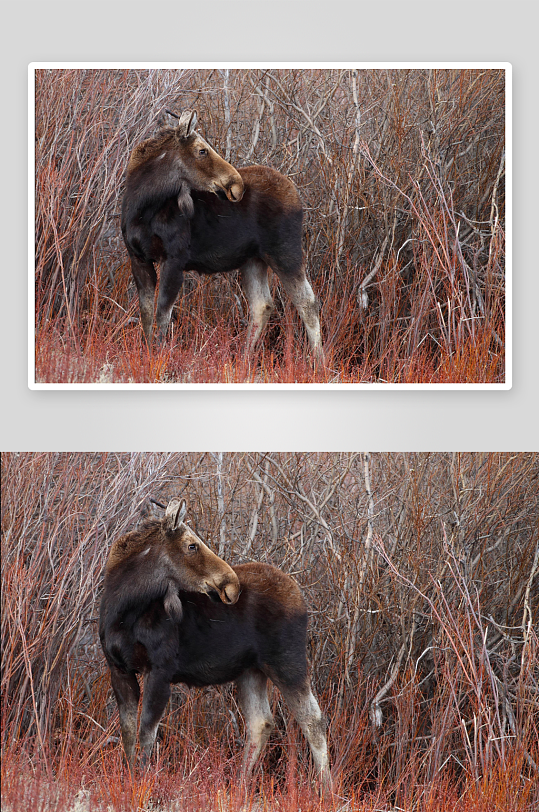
<point x="203" y="152"/>
<point x="192" y="547"/>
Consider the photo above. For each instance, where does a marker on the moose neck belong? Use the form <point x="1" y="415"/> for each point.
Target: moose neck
<point x="152" y="183"/>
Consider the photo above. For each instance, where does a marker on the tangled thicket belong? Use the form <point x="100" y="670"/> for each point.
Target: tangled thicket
<point x="402" y="176"/>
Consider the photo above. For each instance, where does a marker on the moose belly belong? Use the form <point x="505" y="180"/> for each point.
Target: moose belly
<point x="208" y="671"/>
<point x="218" y="259"/>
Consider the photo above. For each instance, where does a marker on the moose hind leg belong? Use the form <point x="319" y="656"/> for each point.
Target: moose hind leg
<point x="154" y="702"/>
<point x="146" y="280"/>
<point x="127" y="692"/>
<point x="254" y="281"/>
<point x="302" y="296"/>
<point x="307" y="713"/>
<point x="254" y="704"/>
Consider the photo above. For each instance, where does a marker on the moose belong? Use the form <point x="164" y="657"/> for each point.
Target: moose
<point x="172" y="611"/>
<point x="186" y="208"/>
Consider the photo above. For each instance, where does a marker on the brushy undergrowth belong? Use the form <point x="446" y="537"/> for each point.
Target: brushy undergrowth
<point x="402" y="177"/>
<point x="421" y="576"/>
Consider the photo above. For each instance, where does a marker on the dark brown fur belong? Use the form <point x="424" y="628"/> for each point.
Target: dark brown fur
<point x="188" y="213"/>
<point x="260" y="634"/>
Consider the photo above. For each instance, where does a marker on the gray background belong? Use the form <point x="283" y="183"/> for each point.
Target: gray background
<point x="283" y="420"/>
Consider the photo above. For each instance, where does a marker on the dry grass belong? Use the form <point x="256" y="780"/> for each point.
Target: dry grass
<point x="420" y="572"/>
<point x="402" y="177"/>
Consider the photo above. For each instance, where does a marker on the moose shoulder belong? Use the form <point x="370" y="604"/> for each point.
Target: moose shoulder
<point x="186" y="208"/>
<point x="172" y="611"/>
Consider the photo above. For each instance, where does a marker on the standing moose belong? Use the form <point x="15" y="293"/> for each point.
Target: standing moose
<point x="186" y="208"/>
<point x="173" y="611"/>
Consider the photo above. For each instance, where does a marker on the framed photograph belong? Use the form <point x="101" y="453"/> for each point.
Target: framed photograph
<point x="270" y="225"/>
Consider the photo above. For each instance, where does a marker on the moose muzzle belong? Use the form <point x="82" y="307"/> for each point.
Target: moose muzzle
<point x="227" y="587"/>
<point x="235" y="190"/>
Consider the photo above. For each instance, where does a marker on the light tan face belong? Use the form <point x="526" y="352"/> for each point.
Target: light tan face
<point x="206" y="171"/>
<point x="199" y="569"/>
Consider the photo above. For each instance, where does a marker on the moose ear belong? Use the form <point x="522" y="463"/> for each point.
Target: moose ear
<point x="187" y="123"/>
<point x="175" y="514"/>
<point x="166" y="119"/>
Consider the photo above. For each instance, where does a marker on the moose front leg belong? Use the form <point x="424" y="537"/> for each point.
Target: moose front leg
<point x="154" y="702"/>
<point x="146" y="280"/>
<point x="170" y="283"/>
<point x="127" y="692"/>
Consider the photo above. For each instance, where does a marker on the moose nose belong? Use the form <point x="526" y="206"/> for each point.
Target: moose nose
<point x="235" y="191"/>
<point x="229" y="590"/>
